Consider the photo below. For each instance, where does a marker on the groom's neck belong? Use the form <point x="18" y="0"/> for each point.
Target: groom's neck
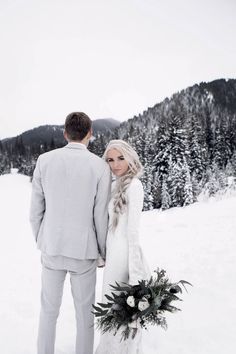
<point x="78" y="141"/>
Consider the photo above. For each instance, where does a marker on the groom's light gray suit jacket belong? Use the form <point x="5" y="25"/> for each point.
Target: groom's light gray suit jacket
<point x="69" y="202"/>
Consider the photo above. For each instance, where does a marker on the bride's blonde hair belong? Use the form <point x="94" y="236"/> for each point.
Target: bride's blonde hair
<point x="135" y="169"/>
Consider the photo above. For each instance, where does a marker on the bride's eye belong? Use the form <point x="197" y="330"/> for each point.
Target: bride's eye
<point x="121" y="158"/>
<point x="109" y="160"/>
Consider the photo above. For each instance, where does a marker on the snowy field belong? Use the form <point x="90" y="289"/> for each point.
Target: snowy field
<point x="196" y="243"/>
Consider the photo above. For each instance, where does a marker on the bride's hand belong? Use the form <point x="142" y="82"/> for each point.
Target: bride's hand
<point x="100" y="262"/>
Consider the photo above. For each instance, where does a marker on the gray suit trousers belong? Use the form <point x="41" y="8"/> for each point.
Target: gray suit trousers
<point x="83" y="279"/>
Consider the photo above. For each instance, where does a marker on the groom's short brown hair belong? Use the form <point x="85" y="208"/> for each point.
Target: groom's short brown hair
<point x="77" y="125"/>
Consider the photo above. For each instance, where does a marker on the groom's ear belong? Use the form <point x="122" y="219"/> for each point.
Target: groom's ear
<point x="65" y="135"/>
<point x="90" y="133"/>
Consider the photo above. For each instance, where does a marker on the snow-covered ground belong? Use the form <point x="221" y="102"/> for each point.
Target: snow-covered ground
<point x="196" y="243"/>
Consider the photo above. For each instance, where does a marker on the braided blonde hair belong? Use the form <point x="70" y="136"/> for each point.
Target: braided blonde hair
<point x="135" y="169"/>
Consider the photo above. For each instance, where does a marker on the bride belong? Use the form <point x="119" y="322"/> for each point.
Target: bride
<point x="124" y="259"/>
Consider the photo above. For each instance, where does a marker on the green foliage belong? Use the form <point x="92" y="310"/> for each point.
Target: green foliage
<point x="156" y="294"/>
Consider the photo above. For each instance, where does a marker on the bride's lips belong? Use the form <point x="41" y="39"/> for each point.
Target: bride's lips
<point x="117" y="170"/>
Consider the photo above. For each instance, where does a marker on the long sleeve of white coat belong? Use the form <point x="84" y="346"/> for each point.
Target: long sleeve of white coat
<point x="37" y="205"/>
<point x="138" y="268"/>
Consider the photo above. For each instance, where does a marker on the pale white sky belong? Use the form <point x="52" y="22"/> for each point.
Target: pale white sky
<point x="108" y="58"/>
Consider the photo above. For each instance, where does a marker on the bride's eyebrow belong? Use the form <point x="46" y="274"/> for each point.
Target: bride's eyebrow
<point x="111" y="158"/>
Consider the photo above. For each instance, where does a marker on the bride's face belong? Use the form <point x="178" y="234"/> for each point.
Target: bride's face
<point x="118" y="165"/>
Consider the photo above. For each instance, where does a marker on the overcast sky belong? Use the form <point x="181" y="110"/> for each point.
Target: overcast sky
<point x="108" y="58"/>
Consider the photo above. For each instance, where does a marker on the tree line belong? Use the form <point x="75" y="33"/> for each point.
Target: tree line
<point x="187" y="145"/>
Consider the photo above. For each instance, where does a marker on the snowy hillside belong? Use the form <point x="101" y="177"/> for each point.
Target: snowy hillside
<point x="196" y="243"/>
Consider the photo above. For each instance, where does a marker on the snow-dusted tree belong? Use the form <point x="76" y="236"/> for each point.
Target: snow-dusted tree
<point x="178" y="139"/>
<point x="212" y="185"/>
<point x="176" y="185"/>
<point x="233" y="163"/>
<point x="147" y="181"/>
<point x="5" y="164"/>
<point x="156" y="191"/>
<point x="161" y="160"/>
<point x="222" y="145"/>
<point x="180" y="184"/>
<point x="138" y="141"/>
<point x="229" y="170"/>
<point x="188" y="197"/>
<point x="179" y="172"/>
<point x="98" y="145"/>
<point x="164" y="151"/>
<point x="146" y="157"/>
<point x="196" y="186"/>
<point x="197" y="148"/>
<point x="217" y="181"/>
<point x="165" y="196"/>
<point x="221" y="178"/>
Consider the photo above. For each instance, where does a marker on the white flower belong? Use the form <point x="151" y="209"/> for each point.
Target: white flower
<point x="130" y="301"/>
<point x="143" y="304"/>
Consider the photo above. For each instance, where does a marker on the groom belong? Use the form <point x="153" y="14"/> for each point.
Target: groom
<point x="69" y="218"/>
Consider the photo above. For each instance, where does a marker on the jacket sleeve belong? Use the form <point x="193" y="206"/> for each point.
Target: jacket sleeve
<point x="100" y="212"/>
<point x="37" y="205"/>
<point x="135" y="205"/>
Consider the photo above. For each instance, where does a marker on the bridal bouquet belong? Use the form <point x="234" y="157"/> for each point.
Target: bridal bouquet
<point x="136" y="306"/>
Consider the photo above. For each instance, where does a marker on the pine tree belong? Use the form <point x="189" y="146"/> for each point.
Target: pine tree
<point x="222" y="146"/>
<point x="178" y="173"/>
<point x="164" y="151"/>
<point x="98" y="145"/>
<point x="217" y="181"/>
<point x="196" y="148"/>
<point x="161" y="161"/>
<point x="147" y="181"/>
<point x="233" y="162"/>
<point x="165" y="196"/>
<point x="145" y="152"/>
<point x="212" y="185"/>
<point x="196" y="187"/>
<point x="229" y="170"/>
<point x="156" y="191"/>
<point x="188" y="197"/>
<point x="176" y="184"/>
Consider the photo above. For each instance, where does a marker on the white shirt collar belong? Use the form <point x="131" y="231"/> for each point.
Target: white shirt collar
<point x="75" y="145"/>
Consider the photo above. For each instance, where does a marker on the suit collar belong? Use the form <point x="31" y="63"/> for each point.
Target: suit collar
<point x="74" y="145"/>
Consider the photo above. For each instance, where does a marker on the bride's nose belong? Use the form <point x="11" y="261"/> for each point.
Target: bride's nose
<point x="116" y="163"/>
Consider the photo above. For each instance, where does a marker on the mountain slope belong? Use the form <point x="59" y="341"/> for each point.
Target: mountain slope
<point x="44" y="134"/>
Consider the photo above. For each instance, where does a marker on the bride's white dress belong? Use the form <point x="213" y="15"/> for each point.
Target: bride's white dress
<point x="124" y="263"/>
